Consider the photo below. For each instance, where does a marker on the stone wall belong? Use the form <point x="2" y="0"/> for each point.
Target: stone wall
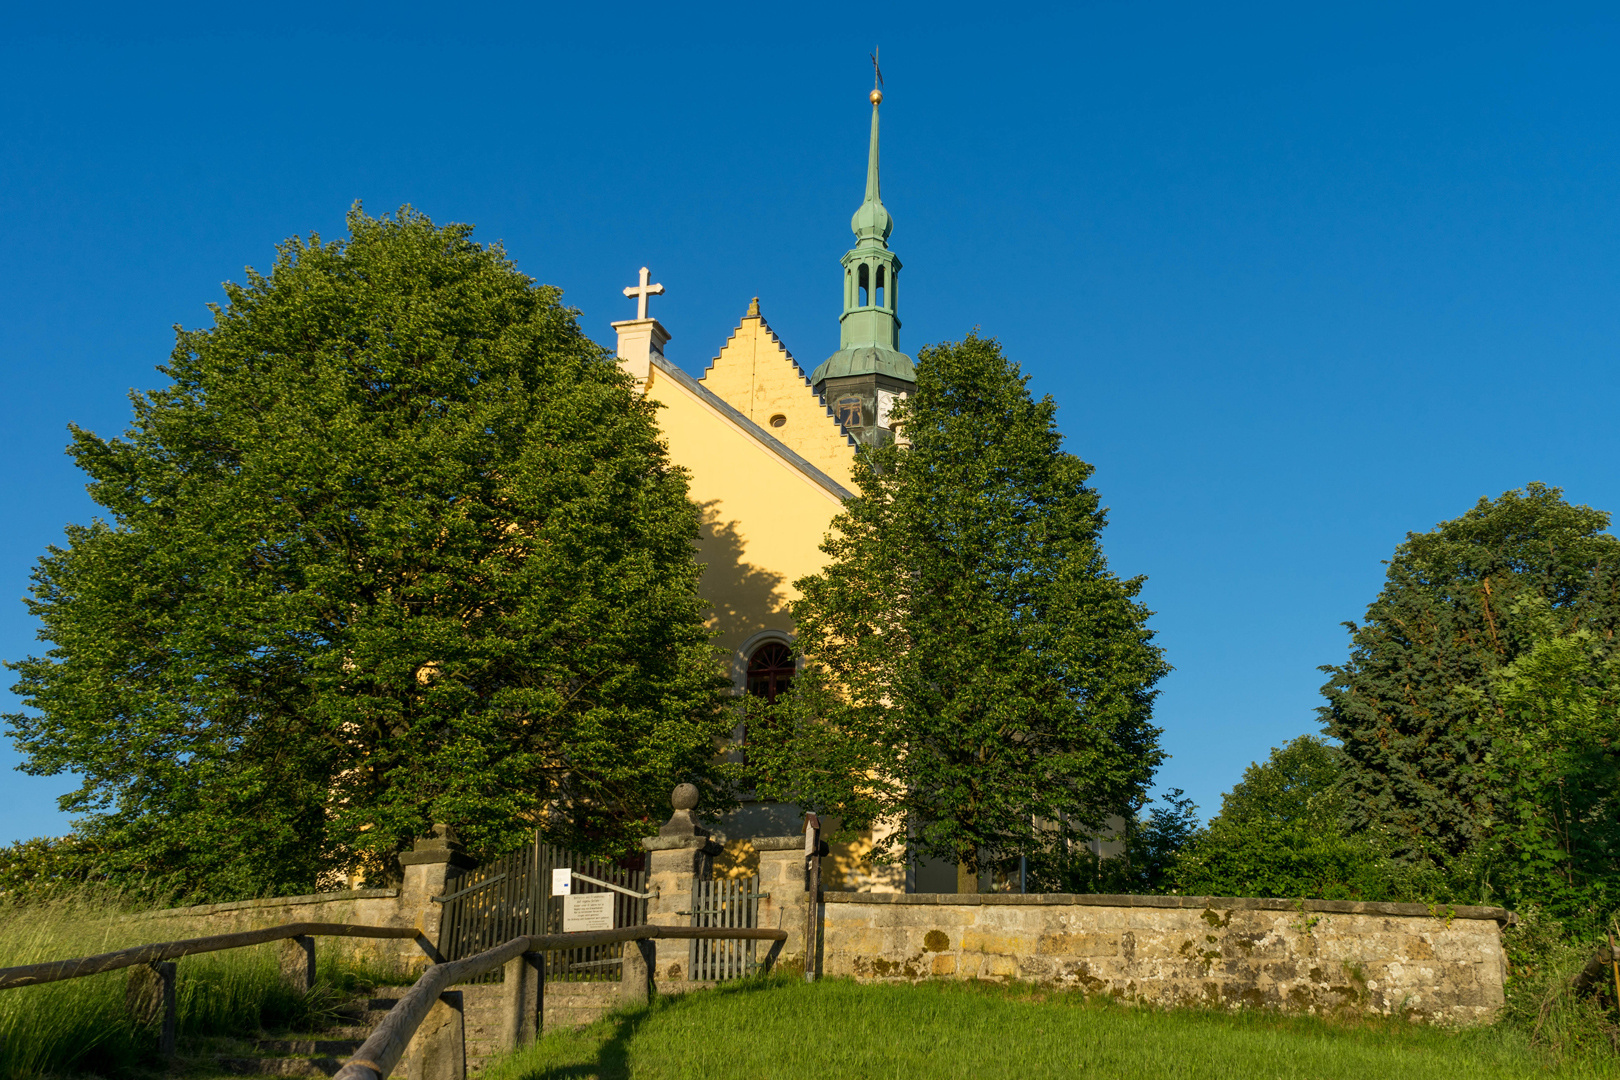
<point x="1312" y="956"/>
<point x="564" y="1005"/>
<point x="366" y="907"/>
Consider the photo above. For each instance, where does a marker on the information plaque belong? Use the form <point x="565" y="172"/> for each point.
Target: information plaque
<point x="587" y="911"/>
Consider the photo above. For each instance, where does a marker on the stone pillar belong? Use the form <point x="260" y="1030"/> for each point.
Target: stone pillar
<point x="639" y="340"/>
<point x="438" y="1050"/>
<point x="781" y="874"/>
<point x="635" y="981"/>
<point x="523" y="993"/>
<point x="677" y="858"/>
<point x="427" y="866"/>
<point x="296" y="958"/>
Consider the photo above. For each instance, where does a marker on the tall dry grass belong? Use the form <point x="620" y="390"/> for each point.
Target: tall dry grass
<point x="85" y="1025"/>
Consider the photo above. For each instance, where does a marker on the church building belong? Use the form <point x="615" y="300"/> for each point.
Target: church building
<point x="771" y="452"/>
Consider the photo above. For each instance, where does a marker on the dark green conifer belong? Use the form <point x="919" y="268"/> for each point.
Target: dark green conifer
<point x="974" y="671"/>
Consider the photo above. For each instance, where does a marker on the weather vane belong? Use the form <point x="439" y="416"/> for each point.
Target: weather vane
<point x="877" y="77"/>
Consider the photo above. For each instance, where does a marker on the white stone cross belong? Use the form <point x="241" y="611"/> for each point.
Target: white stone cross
<point x="642" y="291"/>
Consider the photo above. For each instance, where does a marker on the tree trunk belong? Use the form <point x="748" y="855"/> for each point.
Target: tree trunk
<point x="967" y="878"/>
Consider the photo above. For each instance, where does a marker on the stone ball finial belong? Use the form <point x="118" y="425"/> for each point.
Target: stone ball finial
<point x="685" y="797"/>
<point x="877" y="97"/>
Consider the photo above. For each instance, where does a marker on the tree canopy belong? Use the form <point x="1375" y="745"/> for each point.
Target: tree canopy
<point x="1406" y="703"/>
<point x="1281" y="832"/>
<point x="973" y="672"/>
<point x="396" y="544"/>
<point x="1549" y="834"/>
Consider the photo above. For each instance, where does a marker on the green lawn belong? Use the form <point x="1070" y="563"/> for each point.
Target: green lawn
<point x="939" y="1031"/>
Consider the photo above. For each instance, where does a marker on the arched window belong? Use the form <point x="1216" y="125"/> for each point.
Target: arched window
<point x="877" y="294"/>
<point x="770" y="670"/>
<point x="862" y="282"/>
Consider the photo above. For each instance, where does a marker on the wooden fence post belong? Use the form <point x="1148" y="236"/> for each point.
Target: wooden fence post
<point x="812" y="888"/>
<point x="166" y="971"/>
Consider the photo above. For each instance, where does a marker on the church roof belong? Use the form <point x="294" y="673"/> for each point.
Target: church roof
<point x="864" y="359"/>
<point x="754" y="431"/>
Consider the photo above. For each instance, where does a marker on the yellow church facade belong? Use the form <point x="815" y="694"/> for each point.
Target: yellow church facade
<point x="768" y="488"/>
<point x="770" y="451"/>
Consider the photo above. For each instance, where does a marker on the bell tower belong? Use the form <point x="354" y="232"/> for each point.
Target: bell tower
<point x="861" y="381"/>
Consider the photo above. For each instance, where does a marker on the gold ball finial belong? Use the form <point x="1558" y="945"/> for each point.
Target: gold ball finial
<point x="877" y="97"/>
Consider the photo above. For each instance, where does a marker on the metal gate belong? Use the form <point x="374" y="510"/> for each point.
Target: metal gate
<point x="495" y="903"/>
<point x="732" y="903"/>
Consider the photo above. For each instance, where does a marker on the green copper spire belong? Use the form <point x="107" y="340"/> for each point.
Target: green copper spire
<point x="869" y="328"/>
<point x="872" y="221"/>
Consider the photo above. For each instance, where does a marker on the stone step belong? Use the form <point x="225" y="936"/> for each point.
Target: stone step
<point x="280" y="1066"/>
<point x="328" y="1043"/>
<point x="316" y="1054"/>
<point x="366" y="1008"/>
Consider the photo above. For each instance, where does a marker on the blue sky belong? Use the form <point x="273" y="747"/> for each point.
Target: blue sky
<point x="1301" y="277"/>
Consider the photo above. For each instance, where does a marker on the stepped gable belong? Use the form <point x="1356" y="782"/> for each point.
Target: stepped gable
<point x="755" y="374"/>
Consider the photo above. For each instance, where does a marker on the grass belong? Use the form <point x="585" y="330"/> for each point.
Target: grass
<point x="84" y="1025"/>
<point x="784" y="1028"/>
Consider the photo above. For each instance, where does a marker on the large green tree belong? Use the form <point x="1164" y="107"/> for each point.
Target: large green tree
<point x="396" y="544"/>
<point x="974" y="672"/>
<point x="1281" y="832"/>
<point x="1407" y="704"/>
<point x="1550" y="724"/>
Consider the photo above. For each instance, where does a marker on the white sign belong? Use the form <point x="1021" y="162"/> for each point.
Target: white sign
<point x="587" y="911"/>
<point x="562" y="881"/>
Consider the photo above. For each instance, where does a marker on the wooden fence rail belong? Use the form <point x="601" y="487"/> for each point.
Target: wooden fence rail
<point x="56" y="970"/>
<point x="381" y="1052"/>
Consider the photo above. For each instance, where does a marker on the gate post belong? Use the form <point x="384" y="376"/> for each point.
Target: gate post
<point x="427" y="866"/>
<point x="678" y="857"/>
<point x="781" y="876"/>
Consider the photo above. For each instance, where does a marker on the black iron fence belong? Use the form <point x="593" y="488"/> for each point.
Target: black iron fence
<point x="512" y="897"/>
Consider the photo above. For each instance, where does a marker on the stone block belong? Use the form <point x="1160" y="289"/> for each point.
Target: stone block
<point x="1001" y="944"/>
<point x="944" y="964"/>
<point x="998" y="967"/>
<point x="1010" y="917"/>
<point x="860" y="941"/>
<point x="1036" y="968"/>
<point x="1077" y="944"/>
<point x="932" y="915"/>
